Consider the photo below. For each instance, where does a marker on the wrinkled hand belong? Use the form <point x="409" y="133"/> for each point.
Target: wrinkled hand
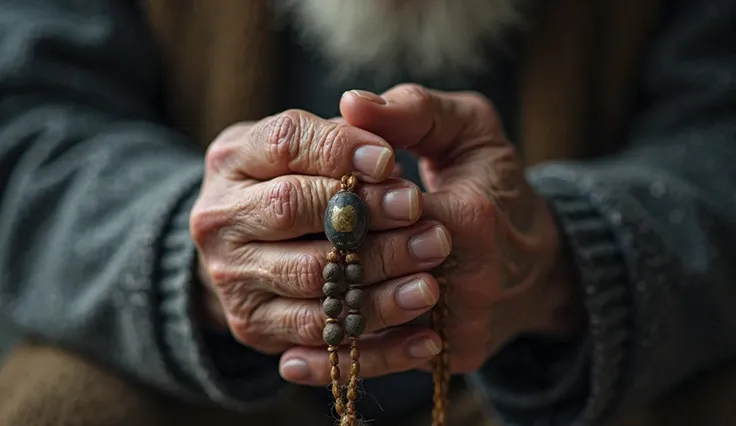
<point x="266" y="185"/>
<point x="506" y="274"/>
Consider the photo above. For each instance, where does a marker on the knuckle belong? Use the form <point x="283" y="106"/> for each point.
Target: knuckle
<point x="250" y="319"/>
<point x="282" y="201"/>
<point x="331" y="146"/>
<point x="203" y="224"/>
<point x="308" y="323"/>
<point x="304" y="272"/>
<point x="214" y="224"/>
<point x="221" y="274"/>
<point x="421" y="96"/>
<point x="219" y="157"/>
<point x="282" y="139"/>
<point x="243" y="325"/>
<point x="231" y="280"/>
<point x="246" y="333"/>
<point x="222" y="153"/>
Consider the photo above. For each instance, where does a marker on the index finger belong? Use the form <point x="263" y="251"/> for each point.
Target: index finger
<point x="298" y="142"/>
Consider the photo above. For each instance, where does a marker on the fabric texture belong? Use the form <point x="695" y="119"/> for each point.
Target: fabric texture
<point x="650" y="227"/>
<point x="97" y="189"/>
<point x="98" y="173"/>
<point x="42" y="385"/>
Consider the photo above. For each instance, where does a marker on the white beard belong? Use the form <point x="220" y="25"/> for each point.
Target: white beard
<point x="425" y="38"/>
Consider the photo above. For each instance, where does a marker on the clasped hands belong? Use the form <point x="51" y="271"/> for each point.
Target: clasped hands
<point x="267" y="185"/>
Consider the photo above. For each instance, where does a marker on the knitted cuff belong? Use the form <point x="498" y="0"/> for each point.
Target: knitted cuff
<point x="575" y="381"/>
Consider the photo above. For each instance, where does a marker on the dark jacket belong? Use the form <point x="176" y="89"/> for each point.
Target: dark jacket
<point x="96" y="188"/>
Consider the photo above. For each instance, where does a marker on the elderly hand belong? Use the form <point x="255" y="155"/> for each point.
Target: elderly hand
<point x="507" y="274"/>
<point x="267" y="184"/>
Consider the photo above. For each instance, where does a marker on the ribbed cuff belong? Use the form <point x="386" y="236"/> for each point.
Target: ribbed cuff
<point x="594" y="366"/>
<point x="604" y="279"/>
<point x="214" y="366"/>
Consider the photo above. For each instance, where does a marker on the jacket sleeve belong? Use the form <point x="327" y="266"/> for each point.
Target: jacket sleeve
<point x="95" y="194"/>
<point x="652" y="231"/>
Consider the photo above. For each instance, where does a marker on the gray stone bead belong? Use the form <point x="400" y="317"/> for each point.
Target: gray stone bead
<point x="346" y="220"/>
<point x="354" y="324"/>
<point x="331" y="289"/>
<point x="354" y="273"/>
<point x="332" y="307"/>
<point x="355" y="298"/>
<point x="333" y="334"/>
<point x="333" y="272"/>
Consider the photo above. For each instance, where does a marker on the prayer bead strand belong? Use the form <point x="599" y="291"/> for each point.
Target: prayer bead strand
<point x="346" y="225"/>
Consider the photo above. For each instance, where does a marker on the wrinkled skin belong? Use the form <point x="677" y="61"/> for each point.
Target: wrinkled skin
<point x="506" y="274"/>
<point x="268" y="183"/>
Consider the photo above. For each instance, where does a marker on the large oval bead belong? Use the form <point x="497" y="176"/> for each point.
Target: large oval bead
<point x="346" y="220"/>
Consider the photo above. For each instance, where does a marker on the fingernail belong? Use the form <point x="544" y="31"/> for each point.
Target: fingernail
<point x="432" y="244"/>
<point x="372" y="160"/>
<point x="415" y="295"/>
<point x="423" y="348"/>
<point x="368" y="96"/>
<point x="296" y="370"/>
<point x="402" y="204"/>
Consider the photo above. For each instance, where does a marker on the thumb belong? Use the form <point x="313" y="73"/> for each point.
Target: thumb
<point x="438" y="125"/>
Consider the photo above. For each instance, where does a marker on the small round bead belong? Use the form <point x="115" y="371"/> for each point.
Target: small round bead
<point x="331" y="289"/>
<point x="354" y="273"/>
<point x="333" y="272"/>
<point x="332" y="307"/>
<point x="355" y="298"/>
<point x="354" y="325"/>
<point x="333" y="334"/>
<point x="352" y="182"/>
<point x="333" y="256"/>
<point x="352" y="258"/>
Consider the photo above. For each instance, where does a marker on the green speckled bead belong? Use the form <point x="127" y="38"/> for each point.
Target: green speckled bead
<point x="333" y="334"/>
<point x="355" y="298"/>
<point x="333" y="272"/>
<point x="331" y="289"/>
<point x="346" y="220"/>
<point x="354" y="324"/>
<point x="332" y="307"/>
<point x="354" y="273"/>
